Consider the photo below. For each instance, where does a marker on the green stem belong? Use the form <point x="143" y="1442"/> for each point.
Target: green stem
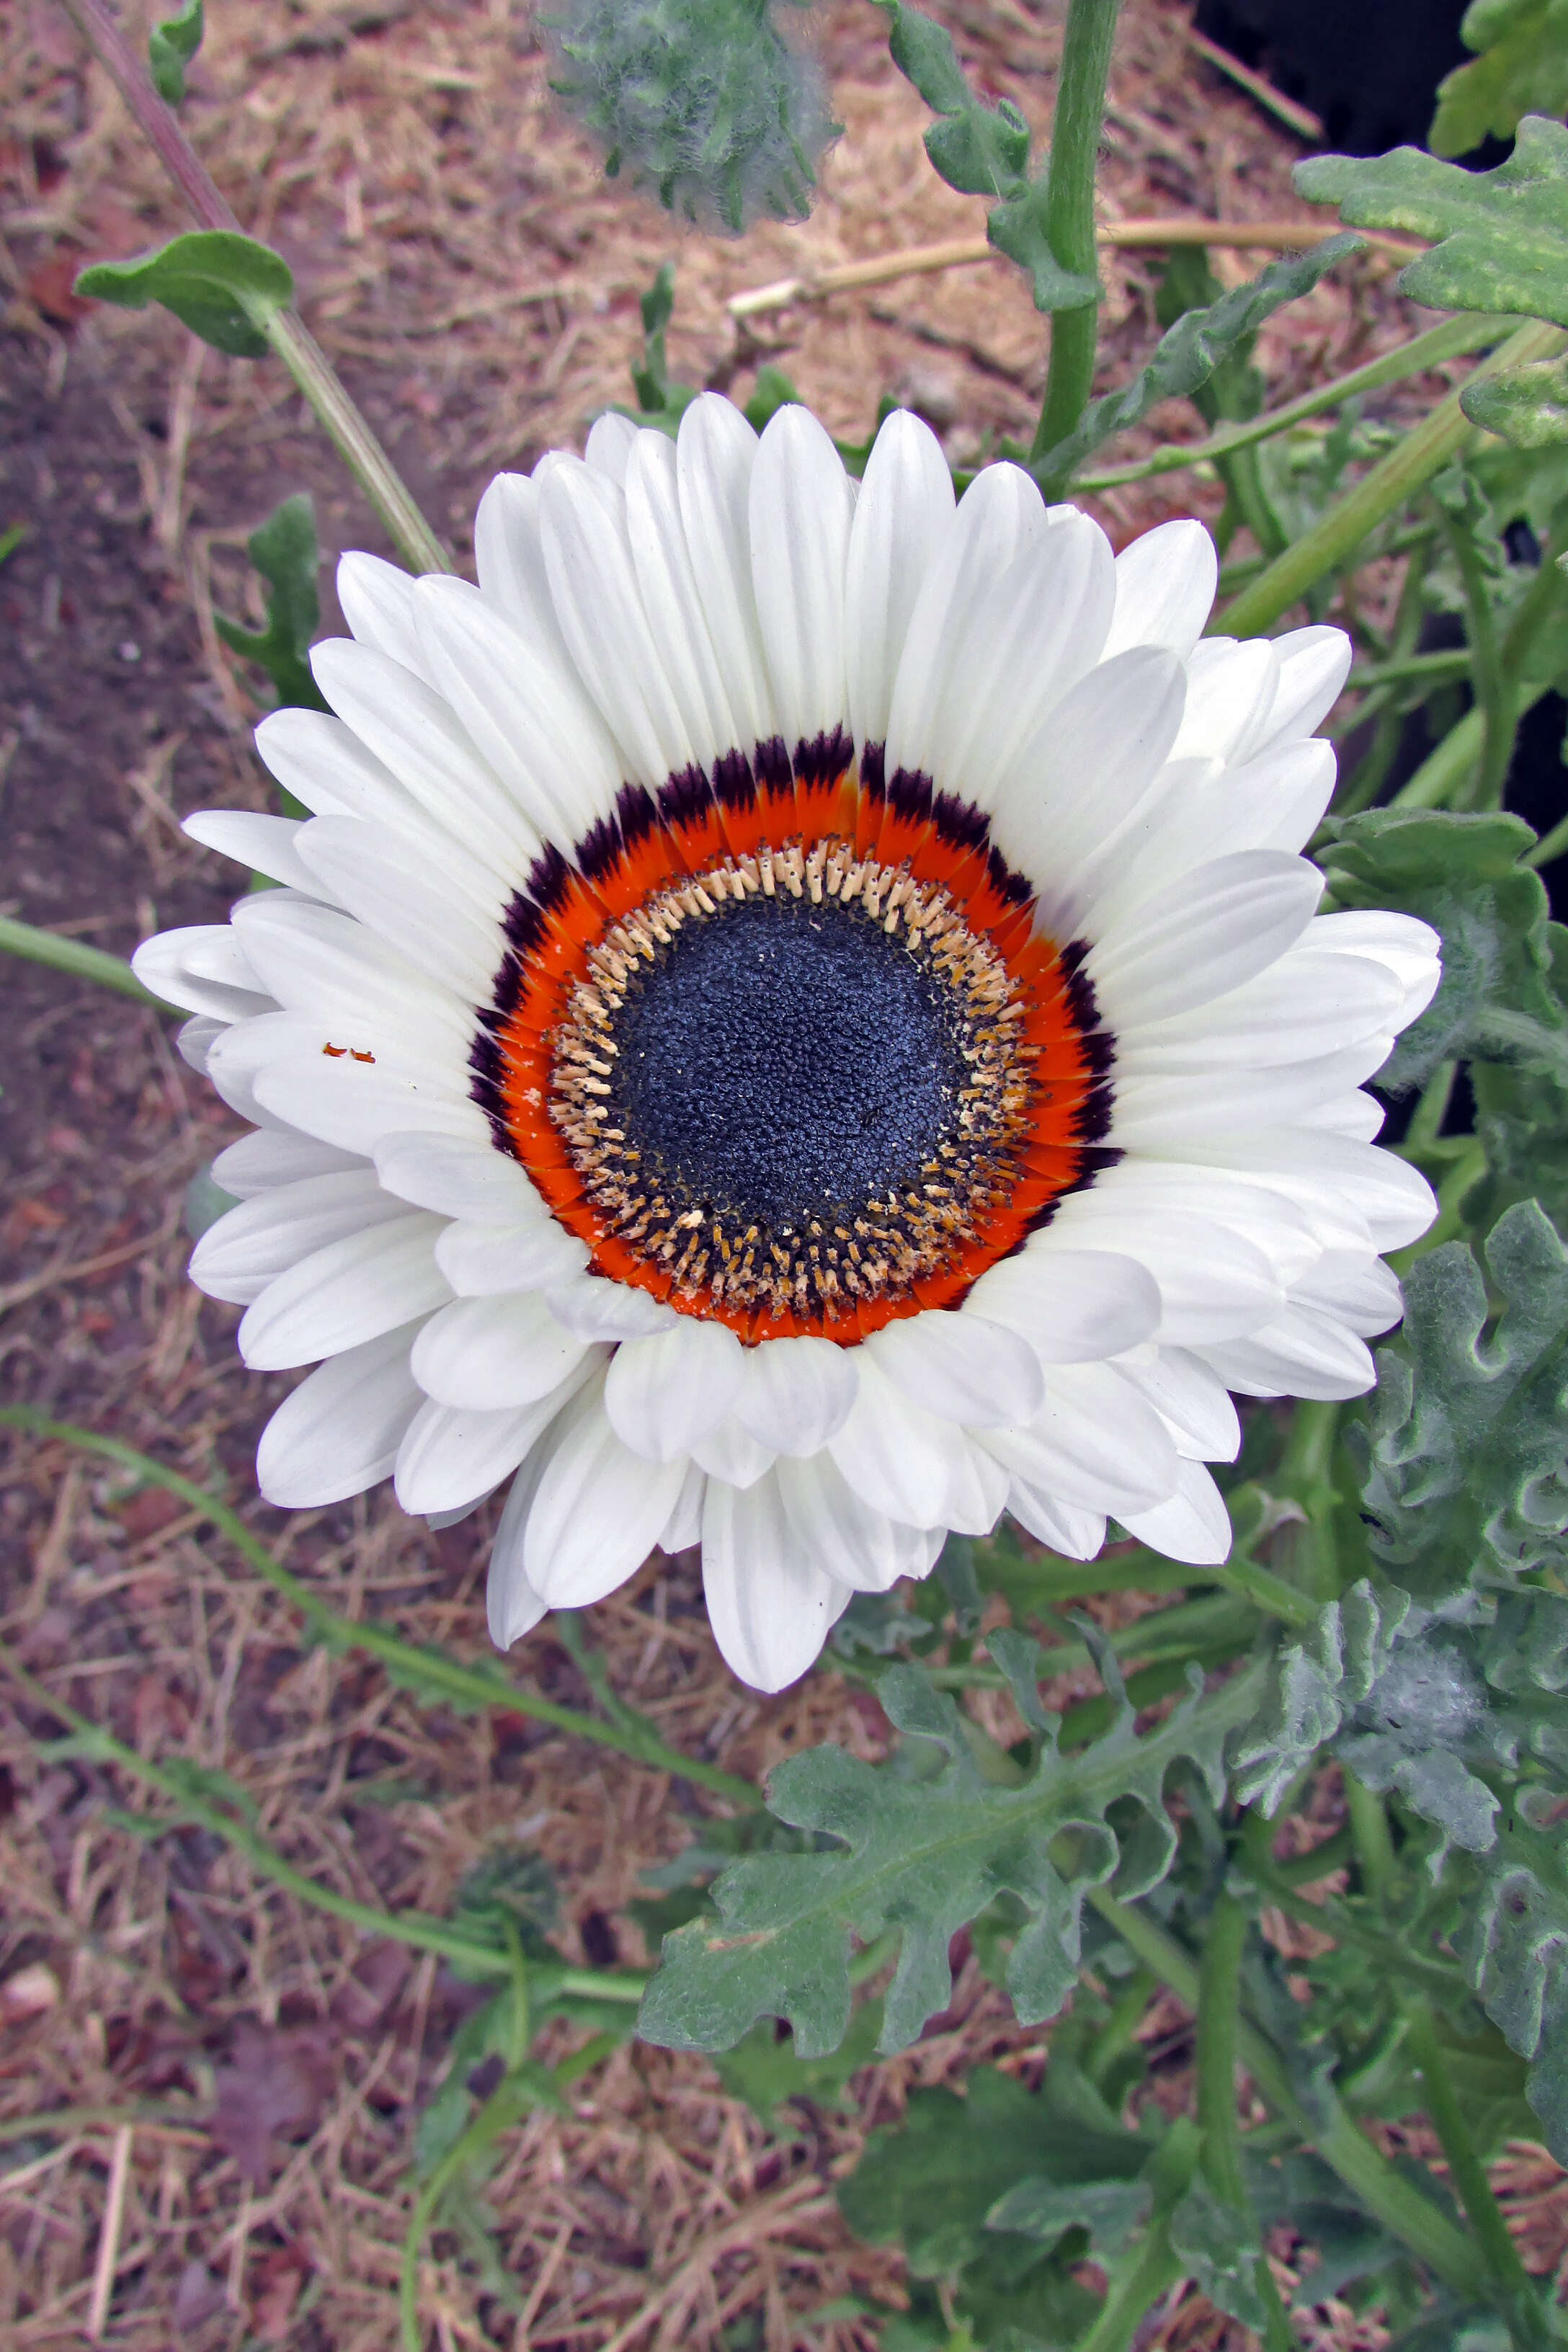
<point x="1156" y="2269"/>
<point x="1519" y="2296"/>
<point x="1549" y="846"/>
<point x="1402" y="2210"/>
<point x="1069" y="211"/>
<point x="1371" y="1837"/>
<point x="73" y="955"/>
<point x="290" y="338"/>
<point x="1426" y="1119"/>
<point x="1379" y="494"/>
<point x="1494" y="695"/>
<point x="1266" y="1591"/>
<point x="1219" y="2020"/>
<point x="507" y="2104"/>
<point x="1431" y="669"/>
<point x="1469" y="1166"/>
<point x="1451" y="340"/>
<point x="426" y="1669"/>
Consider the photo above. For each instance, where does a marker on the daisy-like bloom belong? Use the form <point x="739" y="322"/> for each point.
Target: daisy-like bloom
<point x="797" y="1023"/>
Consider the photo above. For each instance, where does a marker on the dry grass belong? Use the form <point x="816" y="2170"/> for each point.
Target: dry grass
<point x="255" y="2069"/>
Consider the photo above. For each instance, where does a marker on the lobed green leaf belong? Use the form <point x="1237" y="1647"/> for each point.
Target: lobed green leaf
<point x="223" y="286"/>
<point x="171" y="46"/>
<point x="284" y="549"/>
<point x="1521" y="68"/>
<point x="1527" y="406"/>
<point x="1514" y="1946"/>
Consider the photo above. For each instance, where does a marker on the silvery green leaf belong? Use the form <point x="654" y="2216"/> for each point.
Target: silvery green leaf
<point x="1514" y="1944"/>
<point x="223" y="286"/>
<point x="1220" y="2247"/>
<point x="1527" y="406"/>
<point x="1520" y="68"/>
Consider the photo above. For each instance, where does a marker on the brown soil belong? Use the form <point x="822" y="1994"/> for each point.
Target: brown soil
<point x="476" y="282"/>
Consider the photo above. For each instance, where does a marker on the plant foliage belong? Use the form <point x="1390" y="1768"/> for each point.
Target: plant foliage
<point x="1520" y="68"/>
<point x="223" y="287"/>
<point x="171" y="46"/>
<point x="283" y="550"/>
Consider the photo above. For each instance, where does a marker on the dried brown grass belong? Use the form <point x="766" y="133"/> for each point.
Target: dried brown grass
<point x="461" y="260"/>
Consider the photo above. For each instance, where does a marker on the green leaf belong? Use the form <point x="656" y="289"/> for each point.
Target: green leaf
<point x="171" y="46"/>
<point x="1219" y="2246"/>
<point x="1527" y="406"/>
<point x="1501" y="237"/>
<point x="1467" y="1435"/>
<point x="1188" y="354"/>
<point x="1235" y="391"/>
<point x="765" y="2071"/>
<point x="926" y="1855"/>
<point x="1462" y="875"/>
<point x="772" y="392"/>
<point x="511" y="1887"/>
<point x="1514" y="1945"/>
<point x="1108" y="2211"/>
<point x="1521" y="68"/>
<point x="284" y="549"/>
<point x="223" y="287"/>
<point x="1017" y="229"/>
<point x="1313" y="1678"/>
<point x="661" y="403"/>
<point x="981" y="151"/>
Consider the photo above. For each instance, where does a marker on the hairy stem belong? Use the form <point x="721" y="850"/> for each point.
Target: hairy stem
<point x="1219" y="2023"/>
<point x="1379" y="494"/>
<point x="631" y="1734"/>
<point x="290" y="340"/>
<point x="74" y="956"/>
<point x="1069" y="216"/>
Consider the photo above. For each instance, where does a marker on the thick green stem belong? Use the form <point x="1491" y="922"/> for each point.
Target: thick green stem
<point x="1494" y="695"/>
<point x="1379" y="494"/>
<point x="1373" y="1842"/>
<point x="75" y="957"/>
<point x="1402" y="2210"/>
<point x="1069" y="215"/>
<point x="427" y="1669"/>
<point x="1451" y="340"/>
<point x="1266" y="1591"/>
<point x="295" y="346"/>
<point x="1519" y="2297"/>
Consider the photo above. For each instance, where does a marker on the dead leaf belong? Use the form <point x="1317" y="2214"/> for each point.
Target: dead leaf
<point x="279" y="2274"/>
<point x="366" y="1998"/>
<point x="274" y="2085"/>
<point x="51" y="288"/>
<point x="29" y="1993"/>
<point x="149" y="1512"/>
<point x="198" y="2298"/>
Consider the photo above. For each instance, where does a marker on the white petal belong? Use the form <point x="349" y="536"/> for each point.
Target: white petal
<point x="663" y="1393"/>
<point x="1200" y="810"/>
<point x="512" y="1608"/>
<point x="1109" y="1213"/>
<point x="508" y="556"/>
<point x="343" y="1102"/>
<point x="348" y="1292"/>
<point x="276" y="1156"/>
<point x="588" y="559"/>
<point x="911" y="1465"/>
<point x="669" y="597"/>
<point x="1073" y="1307"/>
<point x="847" y="1540"/>
<point x="1409" y="948"/>
<point x="458" y="1179"/>
<point x="486" y="1261"/>
<point x="1360" y="1292"/>
<point x="1190" y="1398"/>
<point x="609" y="444"/>
<point x="1325" y="1172"/>
<point x="339" y="1431"/>
<point x="904" y="505"/>
<point x="317" y="961"/>
<point x="961" y="1366"/>
<point x="449" y="1454"/>
<point x="715" y="453"/>
<point x="769" y="1604"/>
<point x="425" y="915"/>
<point x="201" y="969"/>
<point x="796" y="1393"/>
<point x="1191" y="1524"/>
<point x="1309" y="1003"/>
<point x="1165" y="583"/>
<point x="329" y="770"/>
<point x="729" y="1453"/>
<point x="1161" y="1114"/>
<point x="1076" y="1533"/>
<point x="598" y="1509"/>
<point x="238" y="1255"/>
<point x="799" y="514"/>
<point x="236" y="1056"/>
<point x="1202" y="936"/>
<point x="195" y="1039"/>
<point x="377" y="601"/>
<point x="486" y="1354"/>
<point x="596" y="1308"/>
<point x="684" y="1525"/>
<point x="1231" y="690"/>
<point x="1313" y="667"/>
<point x="1094" y="1443"/>
<point x="265" y="844"/>
<point x="1302" y="1354"/>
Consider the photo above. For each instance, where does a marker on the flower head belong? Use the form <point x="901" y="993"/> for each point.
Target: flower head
<point x="797" y="1023"/>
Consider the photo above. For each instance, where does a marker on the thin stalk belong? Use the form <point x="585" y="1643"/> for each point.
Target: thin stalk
<point x="75" y="957"/>
<point x="1402" y="2210"/>
<point x="285" y="331"/>
<point x="1550" y="845"/>
<point x="510" y="2100"/>
<point x="1156" y="2269"/>
<point x="1069" y="211"/>
<point x="1411" y="669"/>
<point x="1426" y="1119"/>
<point x="1266" y="1591"/>
<point x="1494" y="694"/>
<point x="1451" y="340"/>
<point x="1219" y="2020"/>
<point x="463" y="1685"/>
<point x="1469" y="1166"/>
<point x="1371" y="1837"/>
<point x="1380" y="493"/>
<point x="1534" y="610"/>
<point x="1140" y="1571"/>
<point x="1518" y="2294"/>
<point x="1441" y="776"/>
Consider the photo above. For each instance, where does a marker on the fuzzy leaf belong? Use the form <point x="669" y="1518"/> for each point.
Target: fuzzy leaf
<point x="1501" y="237"/>
<point x="1468" y="1433"/>
<point x="1220" y="2248"/>
<point x="926" y="1857"/>
<point x="1463" y="876"/>
<point x="1521" y="68"/>
<point x="284" y="549"/>
<point x="765" y="2071"/>
<point x="1109" y="2211"/>
<point x="171" y="46"/>
<point x="1313" y="1678"/>
<point x="1017" y="229"/>
<point x="222" y="286"/>
<point x="1200" y="342"/>
<point x="981" y="151"/>
<point x="1527" y="406"/>
<point x="1514" y="1946"/>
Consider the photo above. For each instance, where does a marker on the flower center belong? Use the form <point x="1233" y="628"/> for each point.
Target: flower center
<point x="802" y="1084"/>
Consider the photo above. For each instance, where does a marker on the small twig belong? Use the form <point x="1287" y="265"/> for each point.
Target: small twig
<point x="103" y="1263"/>
<point x="1299" y="118"/>
<point x="109" y="2236"/>
<point x="958" y="253"/>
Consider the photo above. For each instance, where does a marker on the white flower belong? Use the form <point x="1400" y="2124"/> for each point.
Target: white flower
<point x="797" y="1023"/>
